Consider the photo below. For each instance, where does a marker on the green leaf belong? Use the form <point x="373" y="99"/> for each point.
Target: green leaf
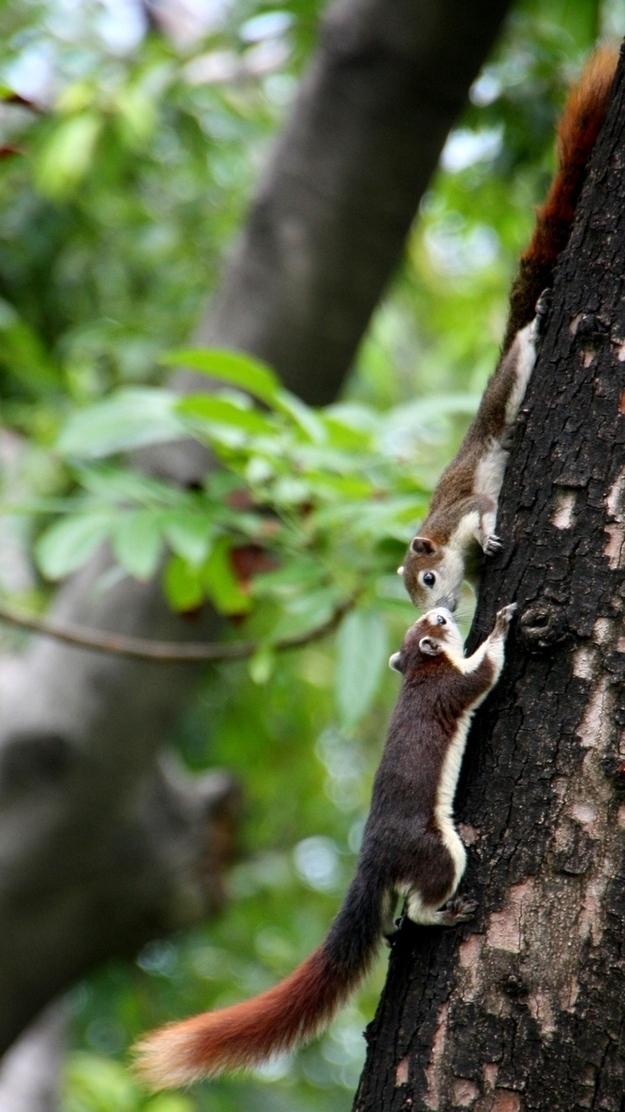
<point x="137" y="115"/>
<point x="290" y="491"/>
<point x="138" y="542"/>
<point x="229" y="366"/>
<point x="261" y="665"/>
<point x="99" y="1084"/>
<point x="67" y="544"/>
<point x="130" y="418"/>
<point x="347" y="486"/>
<point x="362" y="653"/>
<point x="189" y="535"/>
<point x="213" y="410"/>
<point x="301" y="574"/>
<point x="220" y="582"/>
<point x="413" y="417"/>
<point x="306" y="613"/>
<point x="182" y="585"/>
<point x="346" y="430"/>
<point x="65" y="158"/>
<point x="372" y="521"/>
<point x="23" y="352"/>
<point x="116" y="484"/>
<point x="169" y="1102"/>
<point x="304" y="417"/>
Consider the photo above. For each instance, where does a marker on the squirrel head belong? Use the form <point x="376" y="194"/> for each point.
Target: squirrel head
<point x="434" y="634"/>
<point x="432" y="574"/>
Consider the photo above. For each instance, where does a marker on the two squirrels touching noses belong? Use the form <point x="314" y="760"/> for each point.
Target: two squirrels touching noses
<point x="411" y="849"/>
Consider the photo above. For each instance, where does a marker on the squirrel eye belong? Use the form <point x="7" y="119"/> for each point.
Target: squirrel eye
<point x="441" y="620"/>
<point x="428" y="578"/>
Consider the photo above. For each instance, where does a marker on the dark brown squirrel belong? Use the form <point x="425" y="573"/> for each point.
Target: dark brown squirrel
<point x="410" y="849"/>
<point x="459" y="530"/>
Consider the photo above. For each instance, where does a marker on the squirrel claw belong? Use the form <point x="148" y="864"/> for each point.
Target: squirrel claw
<point x="390" y="935"/>
<point x="504" y="616"/>
<point x="543" y="306"/>
<point x="457" y="910"/>
<point x="492" y="544"/>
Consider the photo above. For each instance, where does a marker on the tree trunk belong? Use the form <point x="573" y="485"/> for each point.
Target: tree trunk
<point x="30" y="1073"/>
<point x="524" y="1008"/>
<point x="101" y="847"/>
<point x="330" y="218"/>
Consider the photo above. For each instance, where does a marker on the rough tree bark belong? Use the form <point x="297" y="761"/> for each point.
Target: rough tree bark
<point x="88" y="866"/>
<point x="525" y="1007"/>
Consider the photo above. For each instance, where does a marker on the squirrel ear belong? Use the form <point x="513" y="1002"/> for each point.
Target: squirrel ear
<point x="430" y="646"/>
<point x="422" y="546"/>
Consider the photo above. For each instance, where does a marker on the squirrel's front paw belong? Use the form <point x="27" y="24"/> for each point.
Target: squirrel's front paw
<point x="504" y="616"/>
<point x="543" y="306"/>
<point x="491" y="545"/>
<point x="456" y="910"/>
<point x="390" y="935"/>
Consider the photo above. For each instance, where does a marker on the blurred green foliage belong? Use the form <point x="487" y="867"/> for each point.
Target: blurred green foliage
<point x="127" y="156"/>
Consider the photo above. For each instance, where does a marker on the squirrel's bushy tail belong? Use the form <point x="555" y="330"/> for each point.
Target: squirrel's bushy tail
<point x="579" y="126"/>
<point x="247" y="1034"/>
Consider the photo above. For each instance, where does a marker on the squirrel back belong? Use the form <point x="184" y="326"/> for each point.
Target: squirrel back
<point x="459" y="529"/>
<point x="583" y="115"/>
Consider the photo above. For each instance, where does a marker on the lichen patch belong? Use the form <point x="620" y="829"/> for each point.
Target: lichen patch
<point x="464" y="1092"/>
<point x="619" y="349"/>
<point x="613" y="550"/>
<point x="585" y="662"/>
<point x="506" y="1101"/>
<point x="401" y="1073"/>
<point x="490" y="1072"/>
<point x="593" y="728"/>
<point x="470" y="950"/>
<point x="468" y="833"/>
<point x="504" y="930"/>
<point x="590" y="919"/>
<point x="614" y="497"/>
<point x="570" y="994"/>
<point x="432" y="1097"/>
<point x="602" y="631"/>
<point x="540" y="1008"/>
<point x="563" y="514"/>
<point x="586" y="815"/>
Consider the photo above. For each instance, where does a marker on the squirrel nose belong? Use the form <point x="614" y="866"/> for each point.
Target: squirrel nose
<point x="450" y="603"/>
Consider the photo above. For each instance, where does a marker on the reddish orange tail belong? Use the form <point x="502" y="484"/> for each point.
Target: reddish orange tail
<point x="247" y="1034"/>
<point x="579" y="126"/>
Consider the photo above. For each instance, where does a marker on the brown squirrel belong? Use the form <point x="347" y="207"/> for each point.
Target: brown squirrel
<point x="410" y="849"/>
<point x="459" y="530"/>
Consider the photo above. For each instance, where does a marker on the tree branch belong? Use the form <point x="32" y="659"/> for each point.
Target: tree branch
<point x="168" y="652"/>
